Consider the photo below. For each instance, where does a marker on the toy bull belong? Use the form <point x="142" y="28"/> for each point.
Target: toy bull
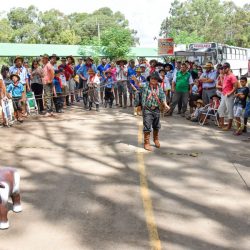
<point x="9" y="187"/>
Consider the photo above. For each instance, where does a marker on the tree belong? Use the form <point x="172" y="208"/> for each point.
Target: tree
<point x="29" y="25"/>
<point x="116" y="42"/>
<point x="207" y="21"/>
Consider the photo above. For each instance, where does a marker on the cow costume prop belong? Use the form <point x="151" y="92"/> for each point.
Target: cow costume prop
<point x="9" y="187"/>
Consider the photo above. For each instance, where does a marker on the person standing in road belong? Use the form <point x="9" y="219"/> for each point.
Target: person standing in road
<point x="181" y="88"/>
<point x="36" y="80"/>
<point x="153" y="98"/>
<point x="83" y="74"/>
<point x="208" y="81"/>
<point x="48" y="69"/>
<point x="102" y="68"/>
<point x="122" y="77"/>
<point x="229" y="86"/>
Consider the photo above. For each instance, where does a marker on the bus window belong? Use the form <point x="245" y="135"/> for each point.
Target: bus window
<point x="237" y="54"/>
<point x="229" y="53"/>
<point x="233" y="54"/>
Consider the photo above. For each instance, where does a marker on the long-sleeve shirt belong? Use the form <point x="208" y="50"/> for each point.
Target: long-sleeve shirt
<point x="83" y="71"/>
<point x="22" y="72"/>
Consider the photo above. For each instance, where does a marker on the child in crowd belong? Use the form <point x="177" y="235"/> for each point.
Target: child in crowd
<point x="109" y="89"/>
<point x="195" y="95"/>
<point x="16" y="92"/>
<point x="64" y="84"/>
<point x="137" y="91"/>
<point x="57" y="90"/>
<point x="195" y="88"/>
<point x="194" y="117"/>
<point x="93" y="83"/>
<point x="165" y="85"/>
<point x="113" y="73"/>
<point x="211" y="107"/>
<point x="2" y="97"/>
<point x="241" y="95"/>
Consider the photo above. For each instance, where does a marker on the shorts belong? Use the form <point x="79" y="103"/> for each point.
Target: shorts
<point x="65" y="90"/>
<point x="17" y="105"/>
<point x="71" y="85"/>
<point x="238" y="110"/>
<point x="102" y="86"/>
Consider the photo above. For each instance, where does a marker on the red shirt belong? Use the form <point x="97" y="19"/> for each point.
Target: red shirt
<point x="68" y="71"/>
<point x="228" y="83"/>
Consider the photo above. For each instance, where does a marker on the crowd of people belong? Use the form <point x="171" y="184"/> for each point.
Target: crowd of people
<point x="150" y="87"/>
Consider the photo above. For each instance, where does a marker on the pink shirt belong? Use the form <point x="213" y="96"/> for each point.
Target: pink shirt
<point x="113" y="73"/>
<point x="48" y="73"/>
<point x="228" y="83"/>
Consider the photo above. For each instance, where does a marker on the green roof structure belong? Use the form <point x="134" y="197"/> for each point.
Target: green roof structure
<point x="34" y="50"/>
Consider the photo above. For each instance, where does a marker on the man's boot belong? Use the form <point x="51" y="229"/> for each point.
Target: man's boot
<point x="120" y="100"/>
<point x="156" y="138"/>
<point x="221" y="122"/>
<point x="90" y="105"/>
<point x="97" y="108"/>
<point x="229" y="126"/>
<point x="67" y="101"/>
<point x="245" y="126"/>
<point x="147" y="141"/>
<point x="125" y="99"/>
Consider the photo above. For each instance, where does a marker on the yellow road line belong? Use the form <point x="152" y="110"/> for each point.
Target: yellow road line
<point x="147" y="202"/>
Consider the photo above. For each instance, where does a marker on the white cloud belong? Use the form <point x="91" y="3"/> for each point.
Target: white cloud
<point x="145" y="16"/>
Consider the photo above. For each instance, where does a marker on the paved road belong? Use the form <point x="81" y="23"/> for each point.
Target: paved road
<point x="86" y="184"/>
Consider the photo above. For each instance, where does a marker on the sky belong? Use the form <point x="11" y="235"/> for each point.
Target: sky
<point x="145" y="16"/>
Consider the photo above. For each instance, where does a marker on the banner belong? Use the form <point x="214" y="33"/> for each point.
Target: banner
<point x="166" y="47"/>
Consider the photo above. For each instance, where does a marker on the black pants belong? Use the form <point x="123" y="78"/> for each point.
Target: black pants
<point x="38" y="91"/>
<point x="151" y="119"/>
<point x="109" y="96"/>
<point x="58" y="101"/>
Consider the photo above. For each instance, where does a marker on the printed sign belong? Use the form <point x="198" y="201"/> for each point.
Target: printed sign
<point x="201" y="46"/>
<point x="166" y="46"/>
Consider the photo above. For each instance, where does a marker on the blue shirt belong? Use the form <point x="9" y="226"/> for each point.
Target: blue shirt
<point x="22" y="72"/>
<point x="77" y="67"/>
<point x="109" y="82"/>
<point x="141" y="79"/>
<point x="16" y="91"/>
<point x="211" y="75"/>
<point x="83" y="70"/>
<point x="131" y="72"/>
<point x="170" y="75"/>
<point x="57" y="85"/>
<point x="102" y="68"/>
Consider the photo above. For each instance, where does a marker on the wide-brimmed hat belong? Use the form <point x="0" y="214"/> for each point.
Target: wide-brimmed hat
<point x="200" y="101"/>
<point x="153" y="60"/>
<point x="90" y="70"/>
<point x="71" y="57"/>
<point x="138" y="69"/>
<point x="54" y="55"/>
<point x="18" y="57"/>
<point x="154" y="75"/>
<point x="88" y="58"/>
<point x="45" y="56"/>
<point x="168" y="65"/>
<point x="208" y="66"/>
<point x="121" y="60"/>
<point x="12" y="75"/>
<point x="215" y="95"/>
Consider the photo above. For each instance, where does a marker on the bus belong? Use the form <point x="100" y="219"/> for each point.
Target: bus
<point x="220" y="53"/>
